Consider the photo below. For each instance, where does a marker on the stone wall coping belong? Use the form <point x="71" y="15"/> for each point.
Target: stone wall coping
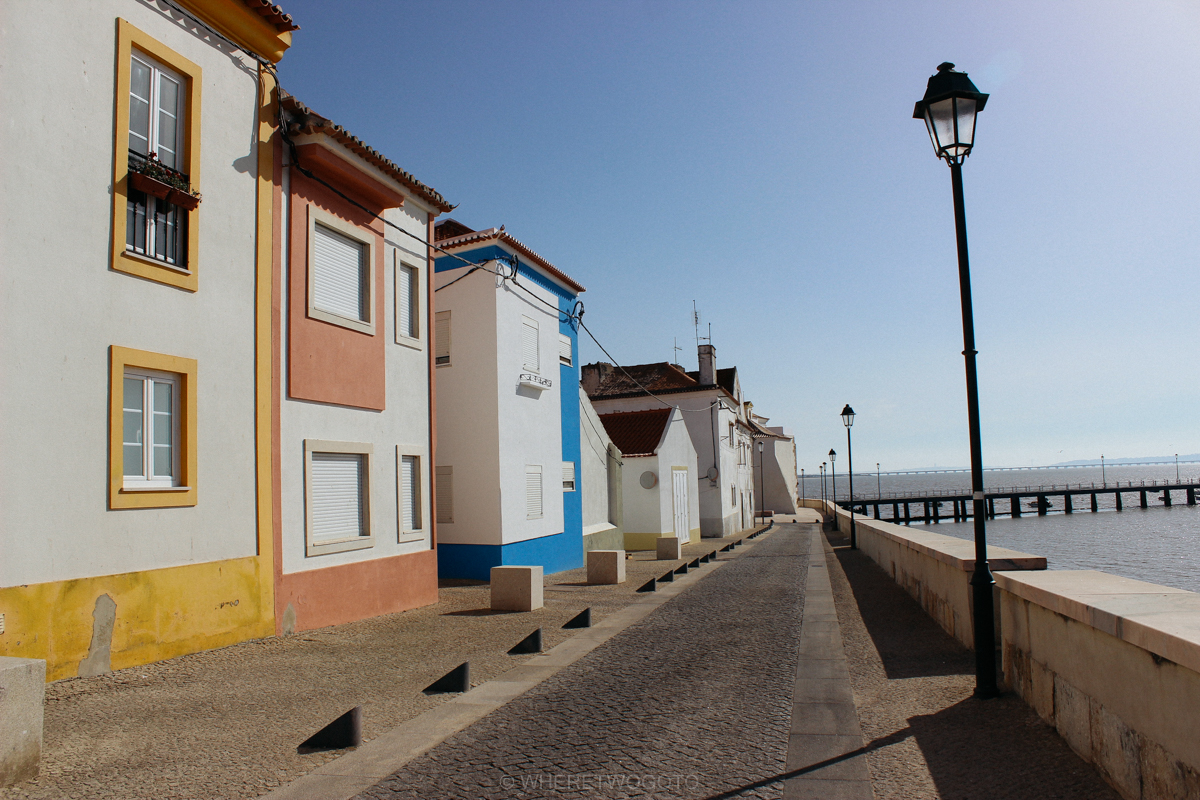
<point x="1160" y="619"/>
<point x="958" y="553"/>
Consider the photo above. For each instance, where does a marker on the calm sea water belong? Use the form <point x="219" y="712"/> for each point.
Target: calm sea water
<point x="1158" y="544"/>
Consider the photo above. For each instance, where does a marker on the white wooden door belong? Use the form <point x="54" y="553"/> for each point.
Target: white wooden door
<point x="679" y="490"/>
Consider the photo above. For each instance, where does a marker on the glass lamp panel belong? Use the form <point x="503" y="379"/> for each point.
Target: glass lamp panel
<point x="940" y="118"/>
<point x="965" y="108"/>
<point x="139" y="107"/>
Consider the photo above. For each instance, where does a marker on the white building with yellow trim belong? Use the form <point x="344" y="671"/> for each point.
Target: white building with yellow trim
<point x="135" y="406"/>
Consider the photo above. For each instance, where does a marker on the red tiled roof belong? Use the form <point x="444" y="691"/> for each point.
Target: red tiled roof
<point x="312" y="122"/>
<point x="660" y="377"/>
<point x="499" y="234"/>
<point x="273" y="14"/>
<point x="637" y="433"/>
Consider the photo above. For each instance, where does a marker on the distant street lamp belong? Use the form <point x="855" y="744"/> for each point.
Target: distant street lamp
<point x="833" y="483"/>
<point x="848" y="421"/>
<point x="1177" y="467"/>
<point x="878" y="486"/>
<point x="803" y="496"/>
<point x="949" y="107"/>
<point x="1103" y="476"/>
<point x="824" y="494"/>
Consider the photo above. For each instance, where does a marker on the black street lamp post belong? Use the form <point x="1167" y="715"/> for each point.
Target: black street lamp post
<point x="949" y="107"/>
<point x="803" y="489"/>
<point x="848" y="420"/>
<point x="833" y="485"/>
<point x="878" y="485"/>
<point x="824" y="493"/>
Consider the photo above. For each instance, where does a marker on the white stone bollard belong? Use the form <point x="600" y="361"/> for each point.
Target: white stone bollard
<point x="22" y="695"/>
<point x="516" y="588"/>
<point x="669" y="548"/>
<point x="605" y="567"/>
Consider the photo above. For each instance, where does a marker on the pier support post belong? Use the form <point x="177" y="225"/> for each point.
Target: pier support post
<point x="1042" y="504"/>
<point x="1095" y="507"/>
<point x="895" y="512"/>
<point x="1191" y="497"/>
<point x="877" y="512"/>
<point x="1144" y="503"/>
<point x="1167" y="497"/>
<point x="991" y="512"/>
<point x="937" y="512"/>
<point x="1067" y="507"/>
<point x="926" y="512"/>
<point x="1120" y="504"/>
<point x="1014" y="506"/>
<point x="907" y="516"/>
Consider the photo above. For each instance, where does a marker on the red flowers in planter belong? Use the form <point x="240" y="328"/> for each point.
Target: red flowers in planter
<point x="156" y="179"/>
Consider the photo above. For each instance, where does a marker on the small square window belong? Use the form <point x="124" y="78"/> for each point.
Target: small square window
<point x="533" y="491"/>
<point x="150" y="430"/>
<point x="568" y="476"/>
<point x="441" y="336"/>
<point x="341" y="272"/>
<point x="409" y="476"/>
<point x="564" y="350"/>
<point x="529" y="344"/>
<point x="408" y="304"/>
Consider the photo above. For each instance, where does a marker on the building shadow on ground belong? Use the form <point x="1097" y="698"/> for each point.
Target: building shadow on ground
<point x="909" y="642"/>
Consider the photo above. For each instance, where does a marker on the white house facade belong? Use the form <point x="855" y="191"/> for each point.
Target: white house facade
<point x="506" y="351"/>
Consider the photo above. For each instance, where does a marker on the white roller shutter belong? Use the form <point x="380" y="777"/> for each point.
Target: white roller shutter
<point x="338" y="274"/>
<point x="529" y="344"/>
<point x="406" y="301"/>
<point x="441" y="338"/>
<point x="337" y="495"/>
<point x="410" y="493"/>
<point x="564" y="349"/>
<point x="533" y="491"/>
<point x="568" y="476"/>
<point x="445" y="493"/>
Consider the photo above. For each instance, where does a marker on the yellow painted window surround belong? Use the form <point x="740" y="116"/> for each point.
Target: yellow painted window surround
<point x="129" y="39"/>
<point x="121" y="359"/>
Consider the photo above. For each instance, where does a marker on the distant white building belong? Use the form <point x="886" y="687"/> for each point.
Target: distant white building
<point x="713" y="408"/>
<point x="659" y="490"/>
<point x="507" y="463"/>
<point x="774" y="466"/>
<point x="600" y="466"/>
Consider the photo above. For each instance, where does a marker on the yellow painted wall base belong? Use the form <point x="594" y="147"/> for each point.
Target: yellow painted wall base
<point x="160" y="614"/>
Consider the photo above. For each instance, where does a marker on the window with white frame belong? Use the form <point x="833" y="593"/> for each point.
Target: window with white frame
<point x="733" y="495"/>
<point x="339" y="275"/>
<point x="409" y="476"/>
<point x="533" y="491"/>
<point x="441" y="337"/>
<point x="445" y="493"/>
<point x="564" y="349"/>
<point x="338" y="496"/>
<point x="407" y="304"/>
<point x="150" y="411"/>
<point x="153" y="226"/>
<point x="529" y="344"/>
<point x="568" y="476"/>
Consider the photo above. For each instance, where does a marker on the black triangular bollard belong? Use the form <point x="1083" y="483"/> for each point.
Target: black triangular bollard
<point x="670" y="576"/>
<point x="649" y="586"/>
<point x="343" y="732"/>
<point x="530" y="644"/>
<point x="581" y="620"/>
<point x="703" y="559"/>
<point x="681" y="569"/>
<point x="456" y="680"/>
<point x="695" y="564"/>
<point x="726" y="548"/>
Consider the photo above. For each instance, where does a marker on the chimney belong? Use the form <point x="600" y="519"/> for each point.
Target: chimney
<point x="592" y="375"/>
<point x="708" y="365"/>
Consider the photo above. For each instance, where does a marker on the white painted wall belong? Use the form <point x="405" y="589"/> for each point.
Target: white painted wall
<point x="652" y="510"/>
<point x="468" y="408"/>
<point x="593" y="468"/>
<point x="530" y="420"/>
<point x="62" y="307"/>
<point x="404" y="422"/>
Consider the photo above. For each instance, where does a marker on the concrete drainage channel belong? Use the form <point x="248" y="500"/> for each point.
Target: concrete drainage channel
<point x="361" y="769"/>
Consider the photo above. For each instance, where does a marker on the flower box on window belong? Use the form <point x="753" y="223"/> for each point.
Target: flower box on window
<point x="148" y="174"/>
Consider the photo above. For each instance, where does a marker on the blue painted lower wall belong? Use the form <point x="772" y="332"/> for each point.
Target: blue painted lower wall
<point x="556" y="553"/>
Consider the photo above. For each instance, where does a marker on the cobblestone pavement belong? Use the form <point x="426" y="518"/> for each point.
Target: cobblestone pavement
<point x="225" y="723"/>
<point x="926" y="736"/>
<point x="693" y="701"/>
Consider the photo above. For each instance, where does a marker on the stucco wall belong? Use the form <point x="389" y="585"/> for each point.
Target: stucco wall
<point x="593" y="469"/>
<point x="777" y="479"/>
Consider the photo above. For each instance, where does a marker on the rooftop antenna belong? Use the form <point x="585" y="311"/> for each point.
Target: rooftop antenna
<point x="696" y="324"/>
<point x="677" y="350"/>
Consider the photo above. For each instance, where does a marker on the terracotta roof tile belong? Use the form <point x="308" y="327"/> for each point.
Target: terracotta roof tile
<point x="499" y="234"/>
<point x="660" y="377"/>
<point x="312" y="122"/>
<point x="273" y="14"/>
<point x="637" y="433"/>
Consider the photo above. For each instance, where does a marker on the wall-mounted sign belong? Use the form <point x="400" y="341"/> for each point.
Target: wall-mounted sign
<point x="535" y="381"/>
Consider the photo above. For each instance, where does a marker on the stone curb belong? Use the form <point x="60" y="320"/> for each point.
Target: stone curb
<point x="347" y="776"/>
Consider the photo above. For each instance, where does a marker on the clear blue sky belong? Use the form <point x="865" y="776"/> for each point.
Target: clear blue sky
<point x="760" y="159"/>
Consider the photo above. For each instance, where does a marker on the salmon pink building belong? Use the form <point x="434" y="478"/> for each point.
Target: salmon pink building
<point x="352" y="392"/>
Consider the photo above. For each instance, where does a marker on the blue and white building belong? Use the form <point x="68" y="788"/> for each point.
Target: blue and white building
<point x="507" y="468"/>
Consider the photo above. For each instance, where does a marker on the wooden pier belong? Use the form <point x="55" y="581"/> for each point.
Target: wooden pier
<point x="930" y="508"/>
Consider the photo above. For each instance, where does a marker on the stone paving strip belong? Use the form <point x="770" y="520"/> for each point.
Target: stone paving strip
<point x="926" y="737"/>
<point x="692" y="700"/>
<point x="226" y="723"/>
